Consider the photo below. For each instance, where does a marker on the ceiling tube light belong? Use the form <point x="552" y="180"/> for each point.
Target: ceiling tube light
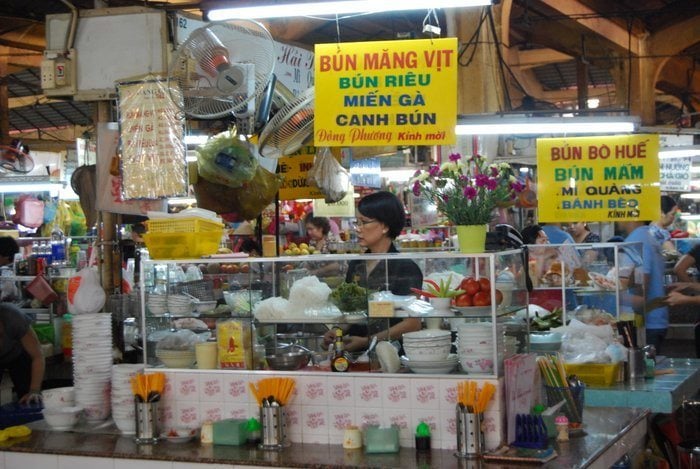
<point x="31" y="187"/>
<point x="196" y="139"/>
<point x="286" y="10"/>
<point x="494" y="125"/>
<point x="678" y="152"/>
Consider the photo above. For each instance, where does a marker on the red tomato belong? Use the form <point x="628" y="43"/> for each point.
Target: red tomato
<point x="482" y="298"/>
<point x="464" y="282"/>
<point x="484" y="284"/>
<point x="465" y="299"/>
<point x="471" y="287"/>
<point x="499" y="297"/>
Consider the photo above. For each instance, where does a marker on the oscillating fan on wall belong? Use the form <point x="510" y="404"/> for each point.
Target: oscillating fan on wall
<point x="290" y="127"/>
<point x="15" y="158"/>
<point x="222" y="69"/>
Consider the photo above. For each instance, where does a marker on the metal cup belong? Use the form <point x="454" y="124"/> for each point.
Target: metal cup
<point x="146" y="422"/>
<point x="470" y="437"/>
<point x="274" y="427"/>
<point x="636" y="365"/>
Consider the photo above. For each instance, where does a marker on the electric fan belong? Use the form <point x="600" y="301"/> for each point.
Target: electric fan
<point x="222" y="68"/>
<point x="15" y="158"/>
<point x="289" y="128"/>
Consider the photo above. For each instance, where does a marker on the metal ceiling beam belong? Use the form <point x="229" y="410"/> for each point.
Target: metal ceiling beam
<point x="588" y="18"/>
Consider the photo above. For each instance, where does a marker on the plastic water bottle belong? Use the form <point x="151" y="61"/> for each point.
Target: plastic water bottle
<point x="58" y="246"/>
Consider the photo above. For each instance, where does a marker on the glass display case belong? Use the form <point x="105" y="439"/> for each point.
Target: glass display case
<point x="257" y="307"/>
<point x="596" y="283"/>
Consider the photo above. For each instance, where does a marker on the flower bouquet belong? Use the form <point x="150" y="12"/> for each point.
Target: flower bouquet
<point x="467" y="190"/>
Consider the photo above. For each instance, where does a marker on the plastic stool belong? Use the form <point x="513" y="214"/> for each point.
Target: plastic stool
<point x="689" y="454"/>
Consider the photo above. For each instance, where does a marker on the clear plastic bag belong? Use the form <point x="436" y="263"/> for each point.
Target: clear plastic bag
<point x="247" y="201"/>
<point x="227" y="160"/>
<point x="181" y="339"/>
<point x="329" y="176"/>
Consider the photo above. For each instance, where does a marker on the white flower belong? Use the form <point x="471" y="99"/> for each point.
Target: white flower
<point x="449" y="166"/>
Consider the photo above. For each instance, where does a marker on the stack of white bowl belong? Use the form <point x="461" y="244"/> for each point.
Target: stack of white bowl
<point x="179" y="305"/>
<point x="60" y="411"/>
<point x="475" y="346"/>
<point x="92" y="364"/>
<point x="427" y="345"/>
<point x="157" y="304"/>
<point x="123" y="410"/>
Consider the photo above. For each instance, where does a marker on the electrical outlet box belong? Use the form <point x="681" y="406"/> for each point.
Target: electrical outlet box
<point x="58" y="73"/>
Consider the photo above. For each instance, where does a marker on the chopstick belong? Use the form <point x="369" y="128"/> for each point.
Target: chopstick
<point x="473" y="399"/>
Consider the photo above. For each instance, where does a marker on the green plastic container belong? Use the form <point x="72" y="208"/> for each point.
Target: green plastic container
<point x="231" y="432"/>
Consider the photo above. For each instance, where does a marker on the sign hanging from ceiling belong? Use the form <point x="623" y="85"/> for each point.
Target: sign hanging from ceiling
<point x="611" y="178"/>
<point x="675" y="174"/>
<point x="386" y="93"/>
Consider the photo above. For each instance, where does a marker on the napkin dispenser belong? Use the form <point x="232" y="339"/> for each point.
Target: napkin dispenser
<point x="231" y="432"/>
<point x="382" y="440"/>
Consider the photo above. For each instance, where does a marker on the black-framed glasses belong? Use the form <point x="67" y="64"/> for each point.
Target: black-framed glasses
<point x="362" y="223"/>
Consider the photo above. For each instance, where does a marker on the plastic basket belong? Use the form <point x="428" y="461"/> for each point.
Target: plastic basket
<point x="183" y="225"/>
<point x="594" y="374"/>
<point x="182" y="245"/>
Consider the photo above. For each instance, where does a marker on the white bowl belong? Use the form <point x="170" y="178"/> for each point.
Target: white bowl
<point x="426" y="334"/>
<point x="204" y="306"/>
<point x="62" y="418"/>
<point x="177" y="359"/>
<point x="58" y="397"/>
<point x="417" y="354"/>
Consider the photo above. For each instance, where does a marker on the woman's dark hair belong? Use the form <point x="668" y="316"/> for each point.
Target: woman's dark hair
<point x="8" y="247"/>
<point x="318" y="222"/>
<point x="529" y="233"/>
<point x="668" y="203"/>
<point x="386" y="208"/>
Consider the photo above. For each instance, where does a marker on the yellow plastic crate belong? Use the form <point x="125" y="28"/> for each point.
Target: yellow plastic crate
<point x="182" y="245"/>
<point x="594" y="374"/>
<point x="183" y="225"/>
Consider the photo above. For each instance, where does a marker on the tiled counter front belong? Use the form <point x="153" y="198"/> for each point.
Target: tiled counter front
<point x="324" y="404"/>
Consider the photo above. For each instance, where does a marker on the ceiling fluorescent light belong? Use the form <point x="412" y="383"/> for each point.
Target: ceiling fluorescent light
<point x="196" y="139"/>
<point x="678" y="152"/>
<point x="31" y="187"/>
<point x="494" y="125"/>
<point x="282" y="10"/>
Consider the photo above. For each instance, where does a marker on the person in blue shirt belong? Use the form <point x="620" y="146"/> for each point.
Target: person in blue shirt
<point x="653" y="263"/>
<point x="556" y="234"/>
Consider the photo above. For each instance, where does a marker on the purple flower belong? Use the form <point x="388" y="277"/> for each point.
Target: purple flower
<point x="481" y="180"/>
<point x="455" y="157"/>
<point x="463" y="178"/>
<point x="517" y="186"/>
<point x="491" y="183"/>
<point x="417" y="173"/>
<point x="445" y="198"/>
<point x="469" y="192"/>
<point x="494" y="171"/>
<point x="416" y="188"/>
<point x="433" y="171"/>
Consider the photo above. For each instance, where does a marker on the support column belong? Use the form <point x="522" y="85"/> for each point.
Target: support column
<point x="4" y="97"/>
<point x="479" y="80"/>
<point x="107" y="223"/>
<point x="582" y="84"/>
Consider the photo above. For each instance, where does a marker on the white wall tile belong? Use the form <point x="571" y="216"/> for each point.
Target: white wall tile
<point x="83" y="462"/>
<point x="396" y="394"/>
<point x="341" y="391"/>
<point x="234" y="411"/>
<point x="294" y="422"/>
<point x="25" y="460"/>
<point x="186" y="387"/>
<point x="425" y="393"/>
<point x="368" y="392"/>
<point x="313" y="390"/>
<point x="189" y="465"/>
<point x="187" y="414"/>
<point x="236" y="389"/>
<point x="314" y="420"/>
<point x="340" y="418"/>
<point x="402" y="419"/>
<point x="369" y="416"/>
<point x="212" y="411"/>
<point x="429" y="416"/>
<point x="211" y="387"/>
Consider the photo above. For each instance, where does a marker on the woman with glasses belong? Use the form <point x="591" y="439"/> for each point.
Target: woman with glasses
<point x="380" y="219"/>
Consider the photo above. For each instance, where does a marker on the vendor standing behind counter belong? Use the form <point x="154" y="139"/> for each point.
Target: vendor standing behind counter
<point x="380" y="219"/>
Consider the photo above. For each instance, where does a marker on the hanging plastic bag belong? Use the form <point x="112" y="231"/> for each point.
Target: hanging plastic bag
<point x="41" y="289"/>
<point x="227" y="160"/>
<point x="85" y="294"/>
<point x="329" y="176"/>
<point x="29" y="211"/>
<point x="247" y="201"/>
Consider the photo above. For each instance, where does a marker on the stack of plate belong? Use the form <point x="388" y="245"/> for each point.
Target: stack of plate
<point x="157" y="304"/>
<point x="179" y="305"/>
<point x="475" y="347"/>
<point x="92" y="363"/>
<point x="432" y="366"/>
<point x="123" y="410"/>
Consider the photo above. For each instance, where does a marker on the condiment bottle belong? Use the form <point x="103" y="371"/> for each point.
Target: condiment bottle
<point x="339" y="362"/>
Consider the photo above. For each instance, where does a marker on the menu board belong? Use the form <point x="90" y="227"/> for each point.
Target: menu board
<point x="386" y="93"/>
<point x="151" y="127"/>
<point x="602" y="178"/>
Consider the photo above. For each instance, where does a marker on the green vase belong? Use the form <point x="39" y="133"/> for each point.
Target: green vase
<point x="471" y="238"/>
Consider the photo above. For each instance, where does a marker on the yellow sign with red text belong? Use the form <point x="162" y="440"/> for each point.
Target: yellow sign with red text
<point x="611" y="178"/>
<point x="386" y="93"/>
<point x="294" y="168"/>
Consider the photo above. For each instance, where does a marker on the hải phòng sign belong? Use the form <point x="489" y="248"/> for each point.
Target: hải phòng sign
<point x="610" y="178"/>
<point x="386" y="93"/>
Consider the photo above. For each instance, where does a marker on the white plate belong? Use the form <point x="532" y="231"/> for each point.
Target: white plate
<point x="176" y="439"/>
<point x="451" y="358"/>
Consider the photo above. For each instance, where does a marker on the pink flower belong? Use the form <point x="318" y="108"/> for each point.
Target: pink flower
<point x="416" y="188"/>
<point x="469" y="192"/>
<point x="481" y="180"/>
<point x="433" y="171"/>
<point x="455" y="157"/>
<point x="491" y="183"/>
